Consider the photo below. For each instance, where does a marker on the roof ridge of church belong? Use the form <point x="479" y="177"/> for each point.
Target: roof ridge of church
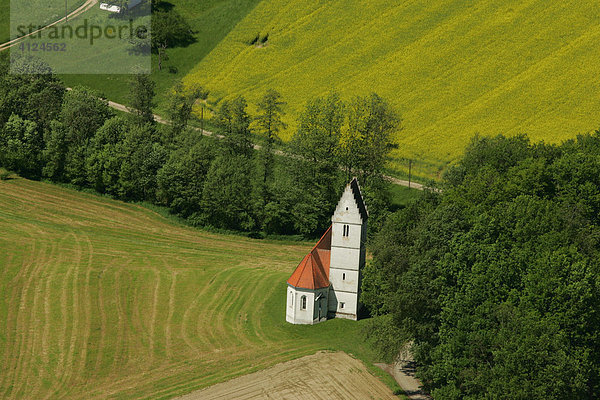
<point x="358" y="198"/>
<point x="323" y="237"/>
<point x="312" y="265"/>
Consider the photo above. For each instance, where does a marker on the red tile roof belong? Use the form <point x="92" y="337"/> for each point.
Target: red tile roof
<point x="313" y="271"/>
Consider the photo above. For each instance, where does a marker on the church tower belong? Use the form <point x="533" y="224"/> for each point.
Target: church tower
<point x="326" y="283"/>
<point x="348" y="236"/>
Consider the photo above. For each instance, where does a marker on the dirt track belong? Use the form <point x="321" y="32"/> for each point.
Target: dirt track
<point x="160" y="120"/>
<point x="319" y="376"/>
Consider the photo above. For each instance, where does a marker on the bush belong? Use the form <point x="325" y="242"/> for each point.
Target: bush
<point x="5" y="175"/>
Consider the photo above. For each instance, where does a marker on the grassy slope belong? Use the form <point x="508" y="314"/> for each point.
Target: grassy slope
<point x="400" y="196"/>
<point x="4" y="20"/>
<point x="452" y="68"/>
<point x="100" y="299"/>
<point x="212" y="20"/>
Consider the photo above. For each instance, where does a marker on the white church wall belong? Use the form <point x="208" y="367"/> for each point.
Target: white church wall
<point x="289" y="309"/>
<point x="295" y="312"/>
<point x="346" y="258"/>
<point x="353" y="237"/>
<point x="347" y="209"/>
<point x="343" y="279"/>
<point x="343" y="304"/>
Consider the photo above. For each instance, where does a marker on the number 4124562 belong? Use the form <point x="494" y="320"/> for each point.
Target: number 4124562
<point x="42" y="46"/>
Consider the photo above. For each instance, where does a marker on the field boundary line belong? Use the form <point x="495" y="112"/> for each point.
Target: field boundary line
<point x="168" y="349"/>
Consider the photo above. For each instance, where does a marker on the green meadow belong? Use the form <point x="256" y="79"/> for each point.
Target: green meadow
<point x="32" y="11"/>
<point x="94" y="42"/>
<point x="212" y="20"/>
<point x="103" y="299"/>
<point x="35" y="12"/>
<point x="5" y="18"/>
<point x="401" y="195"/>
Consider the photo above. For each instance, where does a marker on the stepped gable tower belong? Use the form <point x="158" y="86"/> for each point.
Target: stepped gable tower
<point x="326" y="283"/>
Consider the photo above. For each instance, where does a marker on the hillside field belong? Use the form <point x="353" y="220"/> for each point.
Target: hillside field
<point x="103" y="299"/>
<point x="452" y="68"/>
<point x="211" y="20"/>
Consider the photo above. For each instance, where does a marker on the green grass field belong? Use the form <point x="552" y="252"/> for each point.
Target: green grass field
<point x="402" y="195"/>
<point x="212" y="20"/>
<point x="36" y="12"/>
<point x="103" y="299"/>
<point x="5" y="18"/>
<point x="91" y="51"/>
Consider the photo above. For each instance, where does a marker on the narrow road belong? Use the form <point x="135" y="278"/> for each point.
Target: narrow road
<point x="160" y="120"/>
<point x="403" y="371"/>
<point x="81" y="9"/>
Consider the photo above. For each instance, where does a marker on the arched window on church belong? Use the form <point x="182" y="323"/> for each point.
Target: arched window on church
<point x="346" y="231"/>
<point x="291" y="302"/>
<point x="303" y="303"/>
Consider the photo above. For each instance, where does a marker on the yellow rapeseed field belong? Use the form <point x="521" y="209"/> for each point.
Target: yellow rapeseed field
<point x="451" y="68"/>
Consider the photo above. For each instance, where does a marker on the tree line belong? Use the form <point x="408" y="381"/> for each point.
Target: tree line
<point x="495" y="279"/>
<point x="75" y="137"/>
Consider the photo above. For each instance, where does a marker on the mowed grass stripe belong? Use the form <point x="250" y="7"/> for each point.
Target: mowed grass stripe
<point x="197" y="337"/>
<point x="26" y="321"/>
<point x="36" y="323"/>
<point x="17" y="330"/>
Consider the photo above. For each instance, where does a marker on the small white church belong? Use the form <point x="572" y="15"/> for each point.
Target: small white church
<point x="326" y="283"/>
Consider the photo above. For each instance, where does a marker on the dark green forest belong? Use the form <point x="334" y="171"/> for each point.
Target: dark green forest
<point x="221" y="181"/>
<point x="495" y="278"/>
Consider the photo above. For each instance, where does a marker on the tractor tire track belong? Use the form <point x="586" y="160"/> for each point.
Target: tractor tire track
<point x="206" y="327"/>
<point x="38" y="325"/>
<point x="119" y="356"/>
<point x="22" y="327"/>
<point x="30" y="332"/>
<point x="152" y="326"/>
<point x="103" y="321"/>
<point x="87" y="300"/>
<point x="186" y="315"/>
<point x="14" y="307"/>
<point x="168" y="344"/>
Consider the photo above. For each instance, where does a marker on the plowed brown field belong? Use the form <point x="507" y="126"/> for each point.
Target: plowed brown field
<point x="321" y="376"/>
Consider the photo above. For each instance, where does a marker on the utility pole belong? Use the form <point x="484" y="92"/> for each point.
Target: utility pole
<point x="202" y="119"/>
<point x="409" y="171"/>
<point x="66" y="12"/>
